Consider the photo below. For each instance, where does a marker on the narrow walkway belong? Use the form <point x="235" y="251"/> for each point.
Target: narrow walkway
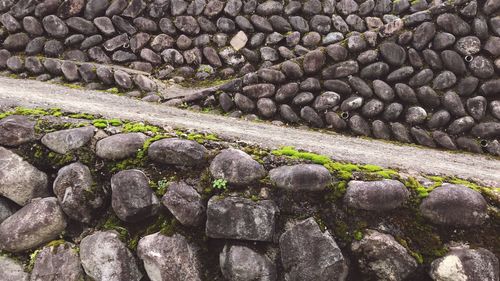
<point x="29" y="93"/>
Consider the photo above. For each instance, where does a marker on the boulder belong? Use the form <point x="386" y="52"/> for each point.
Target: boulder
<point x="105" y="258"/>
<point x="241" y="219"/>
<point x="184" y="203"/>
<point x="307" y="253"/>
<point x="120" y="146"/>
<point x="36" y="223"/>
<point x="19" y="180"/>
<point x="445" y="202"/>
<point x="381" y="257"/>
<point x="169" y="258"/>
<point x="462" y="263"/>
<point x="177" y="152"/>
<point x="240" y="263"/>
<point x="53" y="262"/>
<point x="131" y="197"/>
<point x="77" y="193"/>
<point x="306" y="177"/>
<point x="16" y="130"/>
<point x="66" y="140"/>
<point x="375" y="195"/>
<point x="236" y="167"/>
<point x="12" y="270"/>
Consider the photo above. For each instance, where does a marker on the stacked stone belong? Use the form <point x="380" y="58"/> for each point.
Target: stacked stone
<point x="193" y="36"/>
<point x="252" y="231"/>
<point x="434" y="83"/>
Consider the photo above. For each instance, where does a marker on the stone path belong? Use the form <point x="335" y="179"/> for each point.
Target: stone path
<point x="29" y="93"/>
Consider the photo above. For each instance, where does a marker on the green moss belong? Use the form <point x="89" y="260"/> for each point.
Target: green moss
<point x="114" y="223"/>
<point x="419" y="189"/>
<point x="198" y="137"/>
<point x="72" y="86"/>
<point x="139" y="127"/>
<point x="358" y="235"/>
<point x="32" y="260"/>
<point x="160" y="187"/>
<point x="104" y="123"/>
<point x="113" y="90"/>
<point x="55" y="243"/>
<point x="82" y="116"/>
<point x="168" y="228"/>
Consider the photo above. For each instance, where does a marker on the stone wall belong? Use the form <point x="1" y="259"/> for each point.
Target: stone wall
<point x="131" y="201"/>
<point x="414" y="72"/>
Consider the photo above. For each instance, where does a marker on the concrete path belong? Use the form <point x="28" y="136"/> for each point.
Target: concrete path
<point x="29" y="93"/>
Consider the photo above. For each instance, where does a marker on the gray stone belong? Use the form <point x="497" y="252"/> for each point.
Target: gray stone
<point x="54" y="26"/>
<point x="70" y="8"/>
<point x="453" y="104"/>
<point x="443" y="140"/>
<point x="393" y="53"/>
<point x="266" y="107"/>
<point x="461" y="125"/>
<point x="66" y="140"/>
<point x="466" y="86"/>
<point x="376" y="195"/>
<point x="351" y="103"/>
<point x="462" y="263"/>
<point x="382" y="257"/>
<point x="105" y="258"/>
<point x="359" y="125"/>
<point x="482" y="67"/>
<point x="486" y="130"/>
<point x="392" y="111"/>
<point x="177" y="152"/>
<point x="12" y="270"/>
<point x="16" y="130"/>
<point x="120" y="146"/>
<point x="340" y="70"/>
<point x="453" y="61"/>
<point x="259" y="90"/>
<point x="311" y="116"/>
<point x="76" y="193"/>
<point x="476" y="107"/>
<point x="492" y="46"/>
<point x="306" y="177"/>
<point x="468" y="45"/>
<point x="36" y="223"/>
<point x="326" y="100"/>
<point x="422" y="137"/>
<point x="169" y="258"/>
<point x="443" y="40"/>
<point x="307" y="253"/>
<point x="16" y="42"/>
<point x="423" y="34"/>
<point x="444" y="202"/>
<point x="241" y="219"/>
<point x="444" y="80"/>
<point x="53" y="262"/>
<point x="237" y="167"/>
<point x="288" y="114"/>
<point x="20" y="182"/>
<point x="184" y="203"/>
<point x="81" y="25"/>
<point x="452" y="23"/>
<point x="131" y="197"/>
<point x="269" y="7"/>
<point x="240" y="263"/>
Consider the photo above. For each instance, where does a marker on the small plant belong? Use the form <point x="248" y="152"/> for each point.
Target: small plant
<point x="220" y="184"/>
<point x="358" y="235"/>
<point x="162" y="187"/>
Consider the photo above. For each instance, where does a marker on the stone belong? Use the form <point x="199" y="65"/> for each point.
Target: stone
<point x="383" y="90"/>
<point x="12" y="270"/>
<point x="326" y="100"/>
<point x="495" y="108"/>
<point x="105" y="257"/>
<point x="177" y="152"/>
<point x="213" y="8"/>
<point x="393" y="54"/>
<point x="492" y="46"/>
<point x="481" y="67"/>
<point x="266" y="107"/>
<point x="320" y="23"/>
<point x="422" y="137"/>
<point x="351" y="103"/>
<point x="36" y="223"/>
<point x="468" y="45"/>
<point x="311" y="117"/>
<point x="52" y="262"/>
<point x="313" y="61"/>
<point x="95" y="8"/>
<point x="423" y="34"/>
<point x="81" y="25"/>
<point x="120" y="146"/>
<point x="376" y="195"/>
<point x="132" y="199"/>
<point x="486" y="130"/>
<point x="444" y="80"/>
<point x="239" y="40"/>
<point x="372" y="108"/>
<point x="340" y="70"/>
<point x="169" y="257"/>
<point x="184" y="203"/>
<point x="259" y="90"/>
<point x="444" y="202"/>
<point x="392" y="111"/>
<point x="288" y="114"/>
<point x="462" y="263"/>
<point x="360" y="86"/>
<point x="20" y="181"/>
<point x="187" y="24"/>
<point x="461" y="125"/>
<point x="64" y="141"/>
<point x="453" y="24"/>
<point x="453" y="104"/>
<point x="54" y="26"/>
<point x="307" y="253"/>
<point x="359" y="125"/>
<point x="271" y="75"/>
<point x="15" y="64"/>
<point x="240" y="263"/>
<point x="70" y="8"/>
<point x="16" y="42"/>
<point x="307" y="177"/>
<point x="380" y="256"/>
<point x="10" y="23"/>
<point x="381" y="130"/>
<point x="476" y="107"/>
<point x="241" y="219"/>
<point x="76" y="193"/>
<point x="16" y="130"/>
<point x="443" y="40"/>
<point x="236" y="167"/>
<point x="444" y="140"/>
